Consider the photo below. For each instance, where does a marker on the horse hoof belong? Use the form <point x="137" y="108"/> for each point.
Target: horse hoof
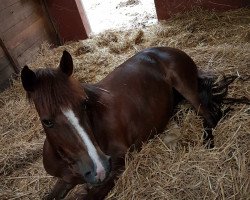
<point x="209" y="144"/>
<point x="47" y="196"/>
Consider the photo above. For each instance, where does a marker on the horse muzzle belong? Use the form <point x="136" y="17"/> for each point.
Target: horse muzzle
<point x="95" y="174"/>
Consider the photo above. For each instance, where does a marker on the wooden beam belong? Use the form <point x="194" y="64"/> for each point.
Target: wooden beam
<point x="11" y="58"/>
<point x="52" y="23"/>
<point x="83" y="16"/>
<point x="68" y="19"/>
<point x="5" y="73"/>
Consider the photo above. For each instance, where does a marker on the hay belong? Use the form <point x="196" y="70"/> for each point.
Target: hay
<point x="218" y="42"/>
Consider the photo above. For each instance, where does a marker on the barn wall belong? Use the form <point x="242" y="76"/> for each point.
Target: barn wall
<point x="24" y="25"/>
<point x="69" y="19"/>
<point x="5" y="70"/>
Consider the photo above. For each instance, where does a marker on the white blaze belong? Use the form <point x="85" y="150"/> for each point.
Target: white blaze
<point x="69" y="114"/>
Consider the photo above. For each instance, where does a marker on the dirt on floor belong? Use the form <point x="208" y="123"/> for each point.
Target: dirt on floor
<point x="218" y="43"/>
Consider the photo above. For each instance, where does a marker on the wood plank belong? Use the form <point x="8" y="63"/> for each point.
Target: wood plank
<point x="19" y="27"/>
<point x="10" y="56"/>
<point x="32" y="51"/>
<point x="5" y="84"/>
<point x="5" y="73"/>
<point x="2" y="54"/>
<point x="20" y="52"/>
<point x="26" y="35"/>
<point x="16" y="13"/>
<point x="4" y="61"/>
<point x="6" y="3"/>
<point x="5" y="77"/>
<point x="29" y="55"/>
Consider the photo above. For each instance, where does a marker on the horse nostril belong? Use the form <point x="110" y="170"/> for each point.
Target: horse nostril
<point x="107" y="163"/>
<point x="109" y="160"/>
<point x="88" y="174"/>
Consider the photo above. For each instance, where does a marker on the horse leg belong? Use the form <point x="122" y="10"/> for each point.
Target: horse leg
<point x="100" y="192"/>
<point x="188" y="88"/>
<point x="55" y="166"/>
<point x="210" y="121"/>
<point x="59" y="191"/>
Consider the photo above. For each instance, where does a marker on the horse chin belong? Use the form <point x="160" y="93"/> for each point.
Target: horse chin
<point x="97" y="184"/>
<point x="100" y="183"/>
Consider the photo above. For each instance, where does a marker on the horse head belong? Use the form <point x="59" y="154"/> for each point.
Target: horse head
<point x="60" y="102"/>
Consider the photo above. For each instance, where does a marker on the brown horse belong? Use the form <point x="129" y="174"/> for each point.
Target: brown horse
<point x="90" y="127"/>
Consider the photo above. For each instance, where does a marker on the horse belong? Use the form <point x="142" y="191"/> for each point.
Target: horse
<point x="90" y="127"/>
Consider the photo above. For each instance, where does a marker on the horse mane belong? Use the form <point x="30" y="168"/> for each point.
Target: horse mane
<point x="55" y="90"/>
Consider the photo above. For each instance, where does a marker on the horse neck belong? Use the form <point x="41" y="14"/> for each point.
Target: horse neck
<point x="97" y="109"/>
<point x="107" y="134"/>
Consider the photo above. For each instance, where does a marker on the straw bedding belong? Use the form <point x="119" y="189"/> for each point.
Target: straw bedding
<point x="163" y="169"/>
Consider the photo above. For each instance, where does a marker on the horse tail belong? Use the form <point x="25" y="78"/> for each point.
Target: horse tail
<point x="213" y="93"/>
<point x="211" y="90"/>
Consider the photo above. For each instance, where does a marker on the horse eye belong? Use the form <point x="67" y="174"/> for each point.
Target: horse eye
<point x="47" y="123"/>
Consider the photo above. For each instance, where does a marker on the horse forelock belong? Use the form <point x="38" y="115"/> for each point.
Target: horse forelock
<point x="54" y="90"/>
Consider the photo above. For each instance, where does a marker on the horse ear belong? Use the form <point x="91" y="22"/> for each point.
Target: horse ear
<point x="28" y="78"/>
<point x="66" y="63"/>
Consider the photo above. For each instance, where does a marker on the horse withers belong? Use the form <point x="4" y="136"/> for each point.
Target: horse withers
<point x="90" y="127"/>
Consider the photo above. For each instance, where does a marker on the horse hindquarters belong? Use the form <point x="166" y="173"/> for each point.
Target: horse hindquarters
<point x="206" y="96"/>
<point x="188" y="88"/>
<point x="182" y="74"/>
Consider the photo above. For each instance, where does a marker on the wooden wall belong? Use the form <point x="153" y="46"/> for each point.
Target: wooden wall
<point x="69" y="19"/>
<point x="24" y="26"/>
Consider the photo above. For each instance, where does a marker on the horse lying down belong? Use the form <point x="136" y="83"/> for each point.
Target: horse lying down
<point x="90" y="127"/>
